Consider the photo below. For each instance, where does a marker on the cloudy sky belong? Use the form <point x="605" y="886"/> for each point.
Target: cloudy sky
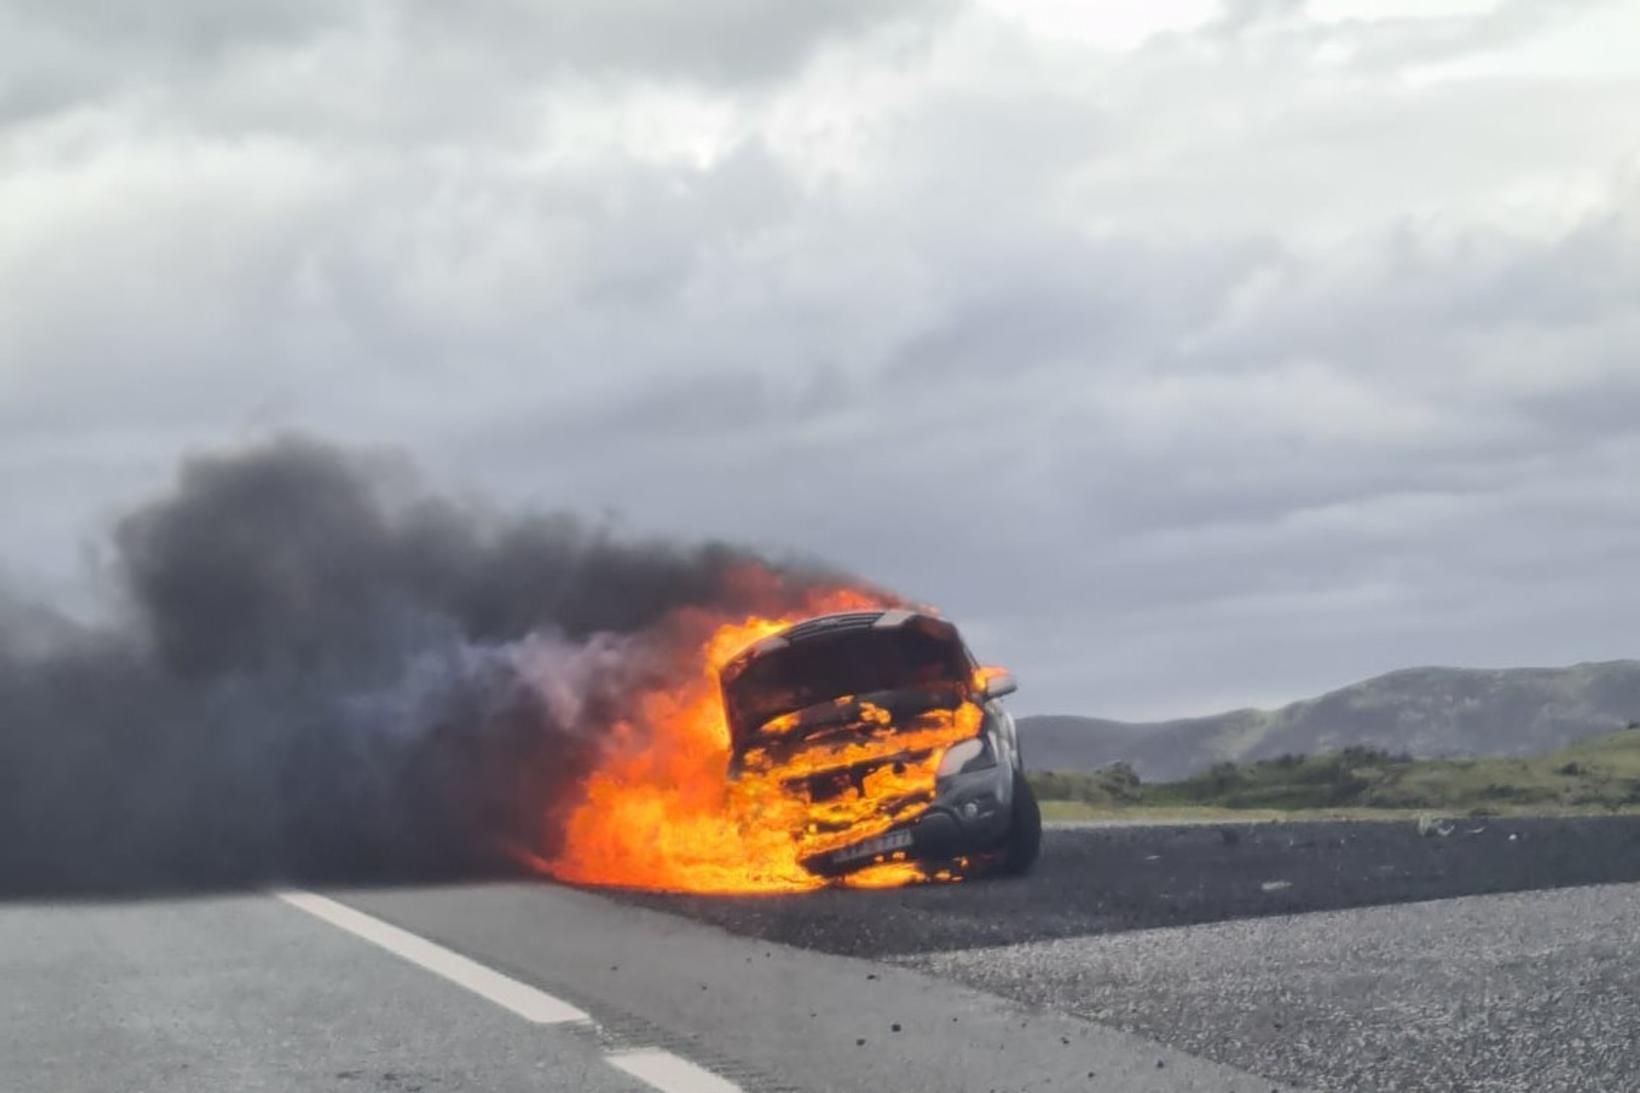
<point x="1192" y="354"/>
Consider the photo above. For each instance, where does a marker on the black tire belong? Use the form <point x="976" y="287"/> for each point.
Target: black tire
<point x="1024" y="841"/>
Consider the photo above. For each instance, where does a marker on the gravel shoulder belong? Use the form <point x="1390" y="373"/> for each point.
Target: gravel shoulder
<point x="1521" y="993"/>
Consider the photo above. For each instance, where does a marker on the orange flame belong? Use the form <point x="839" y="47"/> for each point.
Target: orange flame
<point x="660" y="811"/>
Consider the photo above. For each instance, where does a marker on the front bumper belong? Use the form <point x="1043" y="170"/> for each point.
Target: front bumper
<point x="969" y="815"/>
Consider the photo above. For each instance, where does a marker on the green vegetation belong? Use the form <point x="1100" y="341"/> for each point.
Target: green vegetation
<point x="1077" y="810"/>
<point x="1109" y="787"/>
<point x="1596" y="774"/>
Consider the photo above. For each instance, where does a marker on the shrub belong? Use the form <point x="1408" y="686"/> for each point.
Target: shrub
<point x="1117" y="784"/>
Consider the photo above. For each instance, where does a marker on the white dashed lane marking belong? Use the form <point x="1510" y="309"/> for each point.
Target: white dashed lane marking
<point x="670" y="1072"/>
<point x="524" y="1000"/>
<point x="661" y="1069"/>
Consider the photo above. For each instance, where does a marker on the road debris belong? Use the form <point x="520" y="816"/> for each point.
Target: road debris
<point x="1434" y="826"/>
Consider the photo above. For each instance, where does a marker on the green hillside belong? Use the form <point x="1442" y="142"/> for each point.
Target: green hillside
<point x="1425" y="712"/>
<point x="1597" y="773"/>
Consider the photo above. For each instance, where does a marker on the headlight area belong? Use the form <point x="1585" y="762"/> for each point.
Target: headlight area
<point x="968" y="756"/>
<point x="966" y="806"/>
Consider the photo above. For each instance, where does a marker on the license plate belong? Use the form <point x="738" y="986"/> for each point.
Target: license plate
<point x="881" y="844"/>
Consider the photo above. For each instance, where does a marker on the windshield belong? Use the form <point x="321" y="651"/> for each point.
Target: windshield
<point x="856" y="663"/>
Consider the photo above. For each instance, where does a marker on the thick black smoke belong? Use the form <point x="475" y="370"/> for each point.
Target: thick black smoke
<point x="324" y="670"/>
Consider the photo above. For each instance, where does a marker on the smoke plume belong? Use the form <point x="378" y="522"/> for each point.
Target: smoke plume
<point x="322" y="669"/>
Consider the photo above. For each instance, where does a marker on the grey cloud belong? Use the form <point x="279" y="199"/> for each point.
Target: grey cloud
<point x="1424" y="41"/>
<point x="1153" y="466"/>
<point x="1216" y="524"/>
<point x="1605" y="405"/>
<point x="252" y="65"/>
<point x="185" y="27"/>
<point x="1282" y="27"/>
<point x="1037" y="300"/>
<point x="719" y="41"/>
<point x="1238" y="15"/>
<point x="56" y="56"/>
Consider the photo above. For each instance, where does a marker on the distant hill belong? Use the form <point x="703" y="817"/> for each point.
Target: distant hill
<point x="1599" y="773"/>
<point x="1426" y="712"/>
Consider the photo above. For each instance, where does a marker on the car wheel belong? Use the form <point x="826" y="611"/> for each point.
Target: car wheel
<point x="1024" y="842"/>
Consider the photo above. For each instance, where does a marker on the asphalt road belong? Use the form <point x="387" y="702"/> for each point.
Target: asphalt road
<point x="246" y="993"/>
<point x="1336" y="956"/>
<point x="1097" y="880"/>
<point x="250" y="992"/>
<point x="1330" y="957"/>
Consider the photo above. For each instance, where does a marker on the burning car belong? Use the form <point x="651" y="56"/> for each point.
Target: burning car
<point x="877" y="738"/>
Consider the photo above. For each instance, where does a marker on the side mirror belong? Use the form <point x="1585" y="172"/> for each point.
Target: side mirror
<point x="999" y="685"/>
